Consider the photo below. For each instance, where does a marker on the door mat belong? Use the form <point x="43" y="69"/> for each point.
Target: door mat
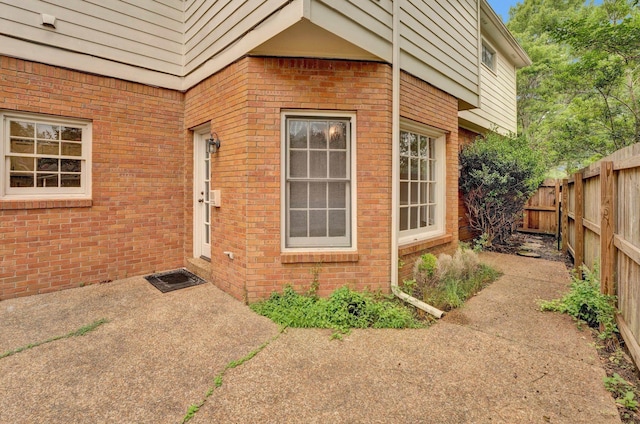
<point x="174" y="280"/>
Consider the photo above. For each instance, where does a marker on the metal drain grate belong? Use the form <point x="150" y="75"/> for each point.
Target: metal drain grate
<point x="174" y="280"/>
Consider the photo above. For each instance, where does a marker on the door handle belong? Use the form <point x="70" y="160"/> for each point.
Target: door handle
<point x="200" y="200"/>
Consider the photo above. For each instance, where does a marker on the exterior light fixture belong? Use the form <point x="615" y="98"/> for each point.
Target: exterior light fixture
<point x="213" y="143"/>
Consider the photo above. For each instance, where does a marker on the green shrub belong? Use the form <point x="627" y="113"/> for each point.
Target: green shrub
<point x="498" y="175"/>
<point x="585" y="302"/>
<point x="343" y="310"/>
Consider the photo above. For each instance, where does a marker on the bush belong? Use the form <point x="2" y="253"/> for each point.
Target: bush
<point x="498" y="175"/>
<point x="585" y="303"/>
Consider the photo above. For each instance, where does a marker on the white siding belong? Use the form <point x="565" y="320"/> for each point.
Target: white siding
<point x="497" y="98"/>
<point x="213" y="26"/>
<point x="142" y="33"/>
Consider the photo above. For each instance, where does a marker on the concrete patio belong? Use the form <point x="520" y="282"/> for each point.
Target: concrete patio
<point x="498" y="359"/>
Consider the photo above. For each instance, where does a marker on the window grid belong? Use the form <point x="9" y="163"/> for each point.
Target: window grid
<point x="418" y="205"/>
<point x="488" y="57"/>
<point x="41" y="155"/>
<point x="318" y="182"/>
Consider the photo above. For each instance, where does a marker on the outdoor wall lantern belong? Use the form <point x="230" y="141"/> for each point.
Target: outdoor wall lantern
<point x="213" y="143"/>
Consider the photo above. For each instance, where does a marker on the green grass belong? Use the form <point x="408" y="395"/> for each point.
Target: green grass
<point x="451" y="293"/>
<point x="343" y="310"/>
<point x="79" y="332"/>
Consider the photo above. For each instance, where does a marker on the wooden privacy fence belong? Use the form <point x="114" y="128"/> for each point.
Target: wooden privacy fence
<point x="601" y="223"/>
<point x="540" y="214"/>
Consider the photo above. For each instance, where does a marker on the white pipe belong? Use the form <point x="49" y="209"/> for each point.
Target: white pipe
<point x="395" y="166"/>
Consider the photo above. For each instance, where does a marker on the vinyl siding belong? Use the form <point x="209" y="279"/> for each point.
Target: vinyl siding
<point x="142" y="33"/>
<point x="497" y="98"/>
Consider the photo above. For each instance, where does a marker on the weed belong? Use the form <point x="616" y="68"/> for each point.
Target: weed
<point x="343" y="310"/>
<point x="585" y="302"/>
<point x="79" y="332"/>
<point x="622" y="391"/>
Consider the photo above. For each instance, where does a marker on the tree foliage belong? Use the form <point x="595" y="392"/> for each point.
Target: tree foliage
<point x="498" y="175"/>
<point x="580" y="100"/>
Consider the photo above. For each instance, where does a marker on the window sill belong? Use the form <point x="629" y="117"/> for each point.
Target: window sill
<point x="6" y="205"/>
<point x="318" y="257"/>
<point x="409" y="248"/>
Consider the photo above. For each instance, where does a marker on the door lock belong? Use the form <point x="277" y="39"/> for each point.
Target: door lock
<point x="200" y="200"/>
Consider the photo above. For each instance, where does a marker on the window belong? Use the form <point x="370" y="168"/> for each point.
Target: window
<point x="44" y="157"/>
<point x="422" y="183"/>
<point x="488" y="57"/>
<point x="317" y="181"/>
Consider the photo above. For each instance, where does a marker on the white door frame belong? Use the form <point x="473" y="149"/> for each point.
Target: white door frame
<point x="201" y="192"/>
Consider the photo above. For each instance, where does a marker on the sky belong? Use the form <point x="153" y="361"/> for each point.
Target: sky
<point x="502" y="7"/>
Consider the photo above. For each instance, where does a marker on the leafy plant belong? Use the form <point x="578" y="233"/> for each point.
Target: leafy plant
<point x="342" y="310"/>
<point x="622" y="390"/>
<point x="585" y="302"/>
<point x="498" y="175"/>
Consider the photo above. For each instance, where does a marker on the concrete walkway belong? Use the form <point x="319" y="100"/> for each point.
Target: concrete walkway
<point x="497" y="360"/>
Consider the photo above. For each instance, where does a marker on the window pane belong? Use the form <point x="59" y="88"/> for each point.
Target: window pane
<point x="47" y="180"/>
<point x="297" y="134"/>
<point x="318" y="136"/>
<point x="318" y="164"/>
<point x="404" y="193"/>
<point x="414" y="169"/>
<point x="432" y="170"/>
<point x="298" y="224"/>
<point x="22" y="164"/>
<point x="72" y="165"/>
<point x="298" y="193"/>
<point x="49" y="132"/>
<point x="337" y="164"/>
<point x="48" y="147"/>
<point x="424" y="191"/>
<point x="22" y="129"/>
<point x="404" y="219"/>
<point x="424" y="169"/>
<point x="318" y="195"/>
<point x="432" y="215"/>
<point x="206" y="191"/>
<point x="424" y="216"/>
<point x="338" y="135"/>
<point x="424" y="146"/>
<point x="298" y="164"/>
<point x="413" y="219"/>
<point x="414" y="144"/>
<point x="337" y="195"/>
<point x="72" y="134"/>
<point x="337" y="224"/>
<point x="415" y="187"/>
<point x="21" y="146"/>
<point x="75" y="149"/>
<point x="47" y="164"/>
<point x="318" y="223"/>
<point x="432" y="148"/>
<point x="21" y="180"/>
<point x="69" y="180"/>
<point x="404" y="168"/>
<point x="432" y="194"/>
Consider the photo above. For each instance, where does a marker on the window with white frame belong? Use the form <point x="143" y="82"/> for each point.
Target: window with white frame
<point x="488" y="56"/>
<point x="422" y="182"/>
<point x="44" y="157"/>
<point x="317" y="181"/>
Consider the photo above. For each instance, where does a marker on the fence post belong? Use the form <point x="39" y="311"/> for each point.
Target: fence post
<point x="607" y="223"/>
<point x="579" y="224"/>
<point x="565" y="216"/>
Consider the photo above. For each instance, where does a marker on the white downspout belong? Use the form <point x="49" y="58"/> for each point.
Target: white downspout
<point x="395" y="166"/>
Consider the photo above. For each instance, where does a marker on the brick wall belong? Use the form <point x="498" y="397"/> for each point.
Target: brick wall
<point x="465" y="233"/>
<point x="134" y="223"/>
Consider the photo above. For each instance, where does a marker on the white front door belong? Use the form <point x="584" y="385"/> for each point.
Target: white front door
<point x="201" y="200"/>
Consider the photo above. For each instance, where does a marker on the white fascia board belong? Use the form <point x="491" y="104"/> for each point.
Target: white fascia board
<point x="22" y="49"/>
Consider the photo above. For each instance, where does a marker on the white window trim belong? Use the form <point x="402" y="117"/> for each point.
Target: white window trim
<point x="488" y="46"/>
<point x="417" y="235"/>
<point x="41" y="193"/>
<point x="283" y="179"/>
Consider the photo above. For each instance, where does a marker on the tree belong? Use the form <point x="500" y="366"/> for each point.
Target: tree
<point x="498" y="175"/>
